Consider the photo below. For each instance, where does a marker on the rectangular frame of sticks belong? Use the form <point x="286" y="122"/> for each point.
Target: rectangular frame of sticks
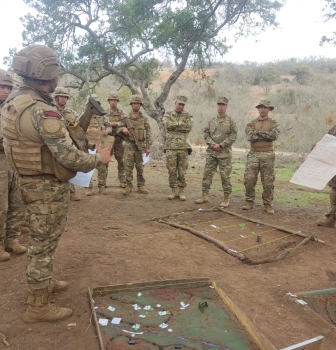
<point x="251" y="241"/>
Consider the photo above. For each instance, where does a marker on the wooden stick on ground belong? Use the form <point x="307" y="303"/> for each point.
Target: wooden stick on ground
<point x="207" y="238"/>
<point x="312" y="237"/>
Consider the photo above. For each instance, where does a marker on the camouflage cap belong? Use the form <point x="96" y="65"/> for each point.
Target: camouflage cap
<point x="6" y="78"/>
<point x="113" y="95"/>
<point x="222" y="100"/>
<point x="265" y="103"/>
<point x="135" y="99"/>
<point x="61" y="91"/>
<point x="181" y="99"/>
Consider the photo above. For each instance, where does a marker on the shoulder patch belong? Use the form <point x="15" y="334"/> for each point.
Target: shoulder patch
<point x="249" y="124"/>
<point x="52" y="125"/>
<point x="52" y="114"/>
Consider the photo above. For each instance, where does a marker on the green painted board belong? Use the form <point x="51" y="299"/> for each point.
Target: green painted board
<point x="216" y="328"/>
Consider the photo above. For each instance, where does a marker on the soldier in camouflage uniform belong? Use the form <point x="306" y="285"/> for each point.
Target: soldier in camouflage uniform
<point x="39" y="148"/>
<point x="97" y="134"/>
<point x="261" y="132"/>
<point x="114" y="118"/>
<point x="219" y="135"/>
<point x="61" y="96"/>
<point x="329" y="220"/>
<point x="177" y="126"/>
<point x="12" y="210"/>
<point x="138" y="140"/>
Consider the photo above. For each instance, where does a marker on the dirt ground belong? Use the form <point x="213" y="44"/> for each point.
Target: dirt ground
<point x="111" y="240"/>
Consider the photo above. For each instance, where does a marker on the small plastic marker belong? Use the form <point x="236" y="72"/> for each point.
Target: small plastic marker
<point x="139" y="294"/>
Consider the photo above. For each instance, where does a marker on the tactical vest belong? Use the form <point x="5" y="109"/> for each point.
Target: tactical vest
<point x="94" y="122"/>
<point x="28" y="156"/>
<point x="115" y="117"/>
<point x="138" y="123"/>
<point x="261" y="145"/>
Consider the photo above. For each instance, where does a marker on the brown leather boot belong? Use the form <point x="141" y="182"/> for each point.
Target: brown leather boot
<point x="74" y="196"/>
<point x="143" y="190"/>
<point x="269" y="209"/>
<point x="326" y="222"/>
<point x="15" y="247"/>
<point x="226" y="200"/>
<point x="248" y="205"/>
<point x="127" y="190"/>
<point x="59" y="286"/>
<point x="88" y="191"/>
<point x="204" y="198"/>
<point x="4" y="255"/>
<point x="102" y="190"/>
<point x="174" y="193"/>
<point x="39" y="308"/>
<point x="181" y="194"/>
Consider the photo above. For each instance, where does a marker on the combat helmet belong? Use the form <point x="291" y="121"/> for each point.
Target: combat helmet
<point x="61" y="91"/>
<point x="6" y="78"/>
<point x="135" y="99"/>
<point x="113" y="95"/>
<point x="37" y="62"/>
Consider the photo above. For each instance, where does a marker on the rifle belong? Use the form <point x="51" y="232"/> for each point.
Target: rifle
<point x="132" y="137"/>
<point x="78" y="132"/>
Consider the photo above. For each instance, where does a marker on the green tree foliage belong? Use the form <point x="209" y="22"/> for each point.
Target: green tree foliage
<point x="302" y="75"/>
<point x="99" y="38"/>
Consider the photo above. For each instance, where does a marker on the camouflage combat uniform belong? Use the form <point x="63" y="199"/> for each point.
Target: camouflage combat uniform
<point x="44" y="155"/>
<point x="177" y="127"/>
<point x="261" y="158"/>
<point x="118" y="147"/>
<point x="222" y="131"/>
<point x="97" y="124"/>
<point x="12" y="209"/>
<point x="133" y="155"/>
<point x="70" y="117"/>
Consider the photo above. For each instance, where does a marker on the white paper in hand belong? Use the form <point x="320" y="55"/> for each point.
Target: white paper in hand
<point x="83" y="179"/>
<point x="145" y="159"/>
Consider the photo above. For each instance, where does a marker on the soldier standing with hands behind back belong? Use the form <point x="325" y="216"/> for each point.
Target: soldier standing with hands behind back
<point x="38" y="146"/>
<point x="177" y="125"/>
<point x="261" y="132"/>
<point x="137" y="131"/>
<point x="219" y="135"/>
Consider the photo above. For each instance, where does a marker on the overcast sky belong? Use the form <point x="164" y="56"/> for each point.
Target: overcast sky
<point x="298" y="35"/>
